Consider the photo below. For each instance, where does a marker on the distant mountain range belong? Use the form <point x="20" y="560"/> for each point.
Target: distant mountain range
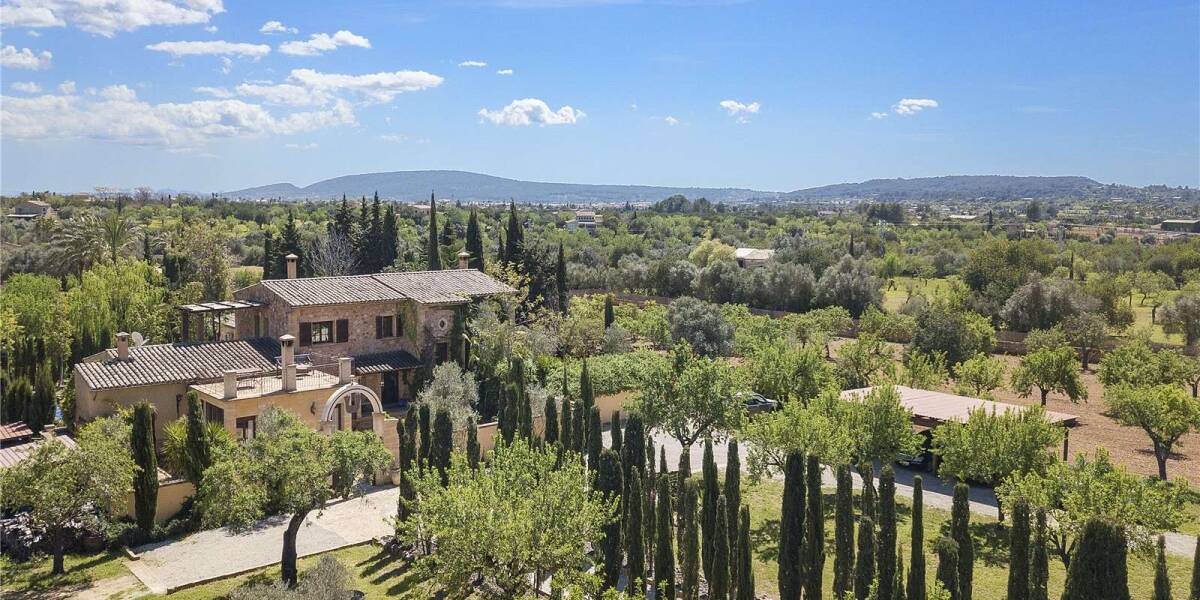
<point x="474" y="187"/>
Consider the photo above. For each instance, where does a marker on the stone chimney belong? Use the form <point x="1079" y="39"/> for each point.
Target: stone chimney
<point x="345" y="369"/>
<point x="123" y="346"/>
<point x="231" y="384"/>
<point x="463" y="257"/>
<point x="291" y="265"/>
<point x="287" y="358"/>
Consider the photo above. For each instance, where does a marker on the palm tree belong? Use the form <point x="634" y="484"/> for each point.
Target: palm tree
<point x="119" y="233"/>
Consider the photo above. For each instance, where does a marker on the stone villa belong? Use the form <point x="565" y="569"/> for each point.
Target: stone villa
<point x="339" y="352"/>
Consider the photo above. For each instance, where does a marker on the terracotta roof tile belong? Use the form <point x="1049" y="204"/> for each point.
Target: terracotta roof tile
<point x="180" y="362"/>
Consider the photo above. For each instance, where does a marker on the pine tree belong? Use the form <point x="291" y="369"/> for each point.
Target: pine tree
<point x="1195" y="591"/>
<point x="472" y="444"/>
<point x="745" y="584"/>
<point x="198" y="452"/>
<point x="343" y="221"/>
<point x="635" y="550"/>
<point x="843" y="533"/>
<point x="432" y="250"/>
<point x="145" y="481"/>
<point x="443" y="444"/>
<point x="864" y="569"/>
<point x="1039" y="563"/>
<point x="474" y="244"/>
<point x="886" y="552"/>
<point x="733" y="497"/>
<point x="614" y="429"/>
<point x="550" y="418"/>
<point x="595" y="443"/>
<point x="814" y="546"/>
<point x="608" y="483"/>
<point x="916" y="573"/>
<point x="664" y="555"/>
<point x="1098" y="568"/>
<point x="268" y="261"/>
<point x="423" y="426"/>
<point x="1018" y="552"/>
<point x="947" y="569"/>
<point x="960" y="530"/>
<point x="560" y="280"/>
<point x="708" y="508"/>
<point x="514" y="250"/>
<point x="1162" y="580"/>
<point x="609" y="315"/>
<point x="718" y="584"/>
<point x="791" y="529"/>
<point x="690" y="550"/>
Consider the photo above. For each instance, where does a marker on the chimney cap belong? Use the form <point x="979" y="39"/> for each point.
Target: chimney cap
<point x="464" y="254"/>
<point x="122" y="334"/>
<point x="292" y="256"/>
<point x="287" y="339"/>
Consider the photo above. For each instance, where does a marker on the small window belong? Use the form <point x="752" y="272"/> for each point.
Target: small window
<point x="383" y="327"/>
<point x="442" y="352"/>
<point x="343" y="330"/>
<point x="246" y="427"/>
<point x="319" y="332"/>
<point x="214" y="414"/>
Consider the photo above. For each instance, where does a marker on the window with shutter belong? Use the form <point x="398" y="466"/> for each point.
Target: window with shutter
<point x="306" y="334"/>
<point x="378" y="327"/>
<point x="343" y="330"/>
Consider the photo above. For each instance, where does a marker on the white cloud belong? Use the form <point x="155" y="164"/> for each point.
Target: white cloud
<point x="672" y="121"/>
<point x="320" y="43"/>
<point x="394" y="137"/>
<point x="529" y="111"/>
<point x="879" y="115"/>
<point x="633" y="107"/>
<point x="912" y="106"/>
<point x="211" y="48"/>
<point x="504" y="72"/>
<point x="26" y="87"/>
<point x="67" y="87"/>
<point x="215" y="92"/>
<point x="276" y="27"/>
<point x="33" y="33"/>
<point x="226" y="65"/>
<point x="310" y="146"/>
<point x="737" y="108"/>
<point x="375" y="87"/>
<point x="472" y="63"/>
<point x="285" y="93"/>
<point x="116" y="114"/>
<point x="25" y="58"/>
<point x="107" y="18"/>
<point x="211" y="29"/>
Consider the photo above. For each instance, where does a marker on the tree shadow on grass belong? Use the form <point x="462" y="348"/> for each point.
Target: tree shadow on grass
<point x="990" y="541"/>
<point x="764" y="540"/>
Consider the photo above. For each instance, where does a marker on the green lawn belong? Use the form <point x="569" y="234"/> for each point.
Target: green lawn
<point x="33" y="577"/>
<point x="991" y="554"/>
<point x="372" y="572"/>
<point x="893" y="299"/>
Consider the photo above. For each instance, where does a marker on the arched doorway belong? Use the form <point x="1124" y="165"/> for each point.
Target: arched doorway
<point x="352" y="406"/>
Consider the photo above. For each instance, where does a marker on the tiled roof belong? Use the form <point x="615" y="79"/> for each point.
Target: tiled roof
<point x="14" y="431"/>
<point x="940" y="407"/>
<point x="9" y="457"/>
<point x="181" y="362"/>
<point x="426" y="287"/>
<point x="384" y="361"/>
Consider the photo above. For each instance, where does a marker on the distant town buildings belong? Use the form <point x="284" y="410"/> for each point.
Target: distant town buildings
<point x="1181" y="225"/>
<point x="584" y="219"/>
<point x="753" y="257"/>
<point x="31" y="209"/>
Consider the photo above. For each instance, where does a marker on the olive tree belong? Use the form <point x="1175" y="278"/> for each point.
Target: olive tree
<point x="285" y="469"/>
<point x="702" y="325"/>
<point x="690" y="398"/>
<point x="881" y="426"/>
<point x="1182" y="316"/>
<point x="1049" y="369"/>
<point x="979" y="375"/>
<point x="818" y="428"/>
<point x="1165" y="412"/>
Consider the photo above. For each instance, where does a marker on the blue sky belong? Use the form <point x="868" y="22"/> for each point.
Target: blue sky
<point x="195" y="95"/>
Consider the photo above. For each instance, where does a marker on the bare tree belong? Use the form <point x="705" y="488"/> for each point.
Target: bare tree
<point x="143" y="195"/>
<point x="332" y="254"/>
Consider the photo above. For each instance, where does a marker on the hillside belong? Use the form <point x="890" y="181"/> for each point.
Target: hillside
<point x="474" y="187"/>
<point x="1001" y="187"/>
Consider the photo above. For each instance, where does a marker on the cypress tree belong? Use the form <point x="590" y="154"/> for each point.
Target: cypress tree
<point x="609" y="315"/>
<point x="1018" y="552"/>
<point x="916" y="573"/>
<point x="595" y="442"/>
<point x="424" y="445"/>
<point x="608" y="483"/>
<point x="664" y="555"/>
<point x="690" y="550"/>
<point x="580" y="430"/>
<point x="567" y="430"/>
<point x="684" y="473"/>
<point x="864" y="569"/>
<point x="791" y="529"/>
<point x="40" y="411"/>
<point x="472" y="444"/>
<point x="1098" y="569"/>
<point x="474" y="243"/>
<point x="708" y="508"/>
<point x="867" y="473"/>
<point x="843" y="533"/>
<point x="887" y="533"/>
<point x="718" y="584"/>
<point x="1039" y="563"/>
<point x="514" y="251"/>
<point x="633" y="449"/>
<point x="635" y="550"/>
<point x="649" y="518"/>
<point x="587" y="396"/>
<point x="560" y="277"/>
<point x="375" y="238"/>
<point x="268" y="260"/>
<point x="898" y="587"/>
<point x="432" y="249"/>
<point x="733" y="497"/>
<point x="389" y="238"/>
<point x="406" y="453"/>
<point x="343" y="220"/>
<point x="145" y="482"/>
<point x="685" y="463"/>
<point x="198" y="452"/>
<point x="745" y="584"/>
<point x="1162" y="581"/>
<point x="1195" y="591"/>
<point x="960" y="530"/>
<point x="289" y="243"/>
<point x="814" y="546"/>
<point x="443" y="444"/>
<point x="550" y="419"/>
<point x="947" y="569"/>
<point x="614" y="429"/>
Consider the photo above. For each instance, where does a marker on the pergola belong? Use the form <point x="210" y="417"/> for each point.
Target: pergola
<point x="930" y="409"/>
<point x="213" y="311"/>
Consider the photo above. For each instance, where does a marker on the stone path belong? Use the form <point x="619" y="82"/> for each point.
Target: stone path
<point x="217" y="553"/>
<point x="936" y="493"/>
